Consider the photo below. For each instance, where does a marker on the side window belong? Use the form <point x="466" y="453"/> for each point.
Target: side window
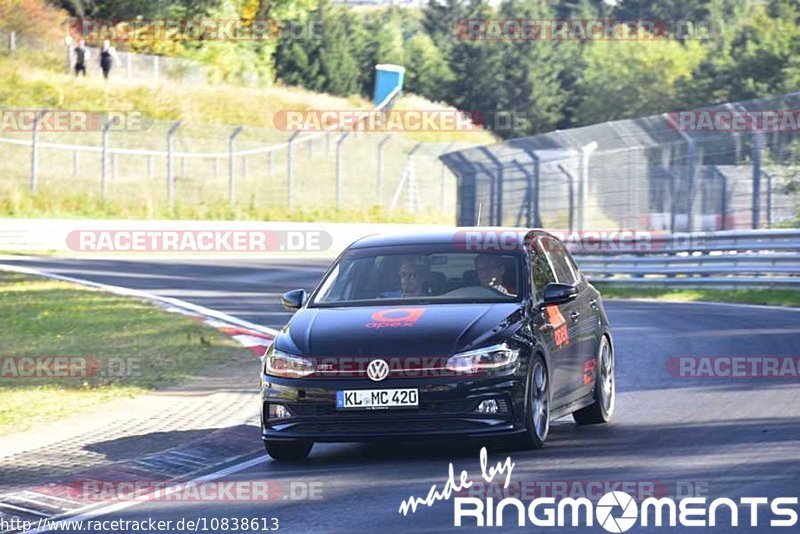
<point x="558" y="257"/>
<point x="541" y="273"/>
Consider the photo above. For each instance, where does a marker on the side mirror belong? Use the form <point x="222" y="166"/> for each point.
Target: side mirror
<point x="293" y="300"/>
<point x="559" y="293"/>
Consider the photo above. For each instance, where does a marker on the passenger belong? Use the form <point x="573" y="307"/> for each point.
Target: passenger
<point x="491" y="269"/>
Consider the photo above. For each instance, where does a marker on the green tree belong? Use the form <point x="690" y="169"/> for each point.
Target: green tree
<point x="626" y="79"/>
<point x="427" y="72"/>
<point x="755" y="54"/>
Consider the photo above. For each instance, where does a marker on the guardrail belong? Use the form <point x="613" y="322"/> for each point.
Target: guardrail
<point x="762" y="258"/>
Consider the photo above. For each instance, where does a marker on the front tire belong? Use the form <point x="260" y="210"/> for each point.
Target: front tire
<point x="288" y="450"/>
<point x="605" y="389"/>
<point x="537" y="416"/>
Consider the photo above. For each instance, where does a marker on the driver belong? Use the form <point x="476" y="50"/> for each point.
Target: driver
<point x="491" y="269"/>
<point x="414" y="273"/>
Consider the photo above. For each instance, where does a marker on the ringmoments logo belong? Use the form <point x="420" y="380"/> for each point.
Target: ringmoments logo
<point x="618" y="511"/>
<point x="615" y="511"/>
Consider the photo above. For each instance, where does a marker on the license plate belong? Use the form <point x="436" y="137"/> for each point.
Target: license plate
<point x="370" y="399"/>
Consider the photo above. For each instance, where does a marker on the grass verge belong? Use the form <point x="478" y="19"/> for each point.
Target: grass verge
<point x="118" y="347"/>
<point x="770" y="297"/>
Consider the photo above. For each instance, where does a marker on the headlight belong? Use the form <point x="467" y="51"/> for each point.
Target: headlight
<point x="277" y="363"/>
<point x="493" y="357"/>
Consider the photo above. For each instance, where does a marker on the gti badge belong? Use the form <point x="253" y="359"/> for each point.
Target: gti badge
<point x="377" y="370"/>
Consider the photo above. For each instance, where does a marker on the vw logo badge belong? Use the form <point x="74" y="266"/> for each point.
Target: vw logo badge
<point x="377" y="370"/>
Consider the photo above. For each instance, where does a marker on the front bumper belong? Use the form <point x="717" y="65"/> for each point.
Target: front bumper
<point x="446" y="408"/>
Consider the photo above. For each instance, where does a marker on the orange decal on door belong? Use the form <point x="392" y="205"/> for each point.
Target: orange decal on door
<point x="556" y="319"/>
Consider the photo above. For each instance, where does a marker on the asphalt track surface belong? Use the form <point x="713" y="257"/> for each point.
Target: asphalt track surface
<point x="726" y="437"/>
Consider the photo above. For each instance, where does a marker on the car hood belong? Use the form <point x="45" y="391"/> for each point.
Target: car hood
<point x="435" y="330"/>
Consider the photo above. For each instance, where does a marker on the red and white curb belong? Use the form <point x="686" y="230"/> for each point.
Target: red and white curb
<point x="53" y="500"/>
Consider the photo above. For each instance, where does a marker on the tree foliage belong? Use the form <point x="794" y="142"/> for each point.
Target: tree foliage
<point x="752" y="50"/>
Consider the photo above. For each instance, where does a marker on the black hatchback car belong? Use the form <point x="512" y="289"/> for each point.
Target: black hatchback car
<point x="464" y="332"/>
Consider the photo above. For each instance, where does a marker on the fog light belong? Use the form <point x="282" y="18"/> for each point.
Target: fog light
<point x="488" y="406"/>
<point x="278" y="411"/>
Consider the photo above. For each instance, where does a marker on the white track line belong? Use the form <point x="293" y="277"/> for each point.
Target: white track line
<point x="201" y="310"/>
<point x="124" y="291"/>
<point x="116" y="507"/>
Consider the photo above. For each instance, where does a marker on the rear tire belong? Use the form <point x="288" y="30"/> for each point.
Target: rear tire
<point x="537" y="413"/>
<point x="605" y="389"/>
<point x="288" y="450"/>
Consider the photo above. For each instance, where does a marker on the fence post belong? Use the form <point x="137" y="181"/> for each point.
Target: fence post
<point x="170" y="176"/>
<point x="758" y="145"/>
<point x="570" y="195"/>
<point x="583" y="184"/>
<point x="35" y="149"/>
<point x="271" y="162"/>
<point x="769" y="199"/>
<point x="290" y="168"/>
<point x="724" y="207"/>
<point x="380" y="167"/>
<point x="496" y="205"/>
<point x="690" y="176"/>
<point x="104" y="162"/>
<point x="412" y="199"/>
<point x="12" y="41"/>
<point x="443" y="175"/>
<point x="68" y="49"/>
<point x="232" y="165"/>
<point x="533" y="190"/>
<point x="339" y="169"/>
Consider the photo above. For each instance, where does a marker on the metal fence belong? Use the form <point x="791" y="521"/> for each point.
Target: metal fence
<point x="642" y="173"/>
<point x="762" y="258"/>
<point x="133" y="65"/>
<point x="170" y="162"/>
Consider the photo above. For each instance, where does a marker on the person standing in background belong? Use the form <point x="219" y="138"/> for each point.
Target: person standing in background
<point x="108" y="55"/>
<point x="81" y="54"/>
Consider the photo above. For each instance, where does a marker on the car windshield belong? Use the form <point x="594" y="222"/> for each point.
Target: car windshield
<point x="392" y="275"/>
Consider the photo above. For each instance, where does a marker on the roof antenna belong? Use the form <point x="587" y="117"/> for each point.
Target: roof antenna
<point x="478" y="218"/>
